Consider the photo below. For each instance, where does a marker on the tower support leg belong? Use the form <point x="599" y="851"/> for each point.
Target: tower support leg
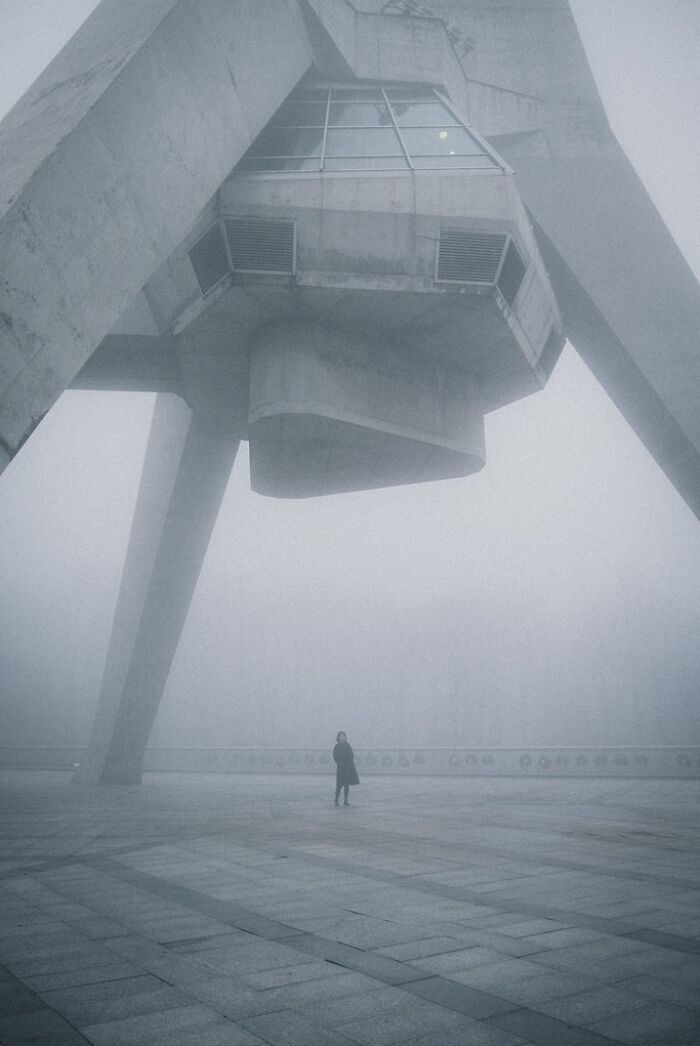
<point x="186" y="468"/>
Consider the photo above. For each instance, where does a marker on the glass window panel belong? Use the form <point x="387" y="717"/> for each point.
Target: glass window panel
<point x="301" y="114"/>
<point x="362" y="114"/>
<point x="356" y="94"/>
<point x="426" y="163"/>
<point x="363" y="141"/>
<point x="439" y="141"/>
<point x="285" y="141"/>
<point x="411" y="91"/>
<point x="280" y="163"/>
<point x="365" y="163"/>
<point x="422" y="114"/>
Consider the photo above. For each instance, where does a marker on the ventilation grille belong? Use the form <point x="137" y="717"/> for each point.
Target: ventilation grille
<point x="469" y="257"/>
<point x="511" y="275"/>
<point x="257" y="245"/>
<point x="209" y="259"/>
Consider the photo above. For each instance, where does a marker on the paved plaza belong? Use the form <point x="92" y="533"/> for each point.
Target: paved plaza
<point x="241" y="910"/>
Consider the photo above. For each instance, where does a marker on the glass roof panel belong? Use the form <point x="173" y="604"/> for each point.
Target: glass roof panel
<point x="362" y="114"/>
<point x="362" y="132"/>
<point x="439" y="141"/>
<point x="363" y="141"/>
<point x="357" y="94"/>
<point x="410" y="91"/>
<point x="422" y="114"/>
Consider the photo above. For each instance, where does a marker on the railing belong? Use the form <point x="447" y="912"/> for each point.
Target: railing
<point x="621" y="761"/>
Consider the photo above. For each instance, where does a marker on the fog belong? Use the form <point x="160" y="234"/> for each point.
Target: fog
<point x="551" y="599"/>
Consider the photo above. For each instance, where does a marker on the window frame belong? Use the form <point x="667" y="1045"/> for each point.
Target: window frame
<point x="424" y="94"/>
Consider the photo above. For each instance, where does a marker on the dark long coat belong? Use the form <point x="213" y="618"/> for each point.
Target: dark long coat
<point x="345" y="772"/>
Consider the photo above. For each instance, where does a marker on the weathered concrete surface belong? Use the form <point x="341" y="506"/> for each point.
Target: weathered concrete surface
<point x="366" y="259"/>
<point x="630" y="303"/>
<point x="66" y="91"/>
<point x="169" y="427"/>
<point x="187" y="465"/>
<point x="157" y="102"/>
<point x="332" y="411"/>
<point x="131" y="363"/>
<point x="366" y="251"/>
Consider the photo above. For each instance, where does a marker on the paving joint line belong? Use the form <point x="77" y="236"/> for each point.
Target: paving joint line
<point x="554" y="862"/>
<point x="392" y="972"/>
<point x="616" y="928"/>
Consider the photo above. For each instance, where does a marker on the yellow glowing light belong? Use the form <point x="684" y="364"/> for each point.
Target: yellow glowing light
<point x="451" y="152"/>
<point x="443" y="134"/>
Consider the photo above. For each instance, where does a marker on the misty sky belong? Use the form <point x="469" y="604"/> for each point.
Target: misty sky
<point x="550" y="599"/>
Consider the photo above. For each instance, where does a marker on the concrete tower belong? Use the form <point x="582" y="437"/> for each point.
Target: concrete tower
<point x="342" y="231"/>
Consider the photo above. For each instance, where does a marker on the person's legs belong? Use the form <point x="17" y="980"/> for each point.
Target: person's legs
<point x="346" y="792"/>
<point x="337" y="794"/>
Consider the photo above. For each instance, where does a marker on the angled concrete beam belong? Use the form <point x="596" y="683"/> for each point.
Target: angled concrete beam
<point x="112" y="154"/>
<point x="630" y="303"/>
<point x="131" y="363"/>
<point x="169" y="427"/>
<point x="186" y="468"/>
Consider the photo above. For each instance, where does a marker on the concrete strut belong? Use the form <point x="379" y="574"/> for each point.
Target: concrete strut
<point x="187" y="466"/>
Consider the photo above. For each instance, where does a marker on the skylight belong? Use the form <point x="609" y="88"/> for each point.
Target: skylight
<point x="365" y="129"/>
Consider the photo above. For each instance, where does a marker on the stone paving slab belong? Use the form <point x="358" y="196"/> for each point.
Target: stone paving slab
<point x="664" y="990"/>
<point x="653" y="1023"/>
<point x="461" y="998"/>
<point x="187" y="1026"/>
<point x="434" y="912"/>
<point x="547" y="1031"/>
<point x="583" y="1008"/>
<point x="292" y="1028"/>
<point x="469" y="1033"/>
<point x="89" y="975"/>
<point x="403" y="1023"/>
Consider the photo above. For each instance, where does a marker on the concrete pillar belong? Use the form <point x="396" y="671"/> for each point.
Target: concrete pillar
<point x="629" y="300"/>
<point x="187" y="465"/>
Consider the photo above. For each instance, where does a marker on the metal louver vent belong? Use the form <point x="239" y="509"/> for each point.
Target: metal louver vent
<point x="209" y="259"/>
<point x="259" y="245"/>
<point x="469" y="257"/>
<point x="511" y="275"/>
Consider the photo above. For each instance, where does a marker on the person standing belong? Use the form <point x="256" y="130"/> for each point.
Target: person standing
<point x="345" y="772"/>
